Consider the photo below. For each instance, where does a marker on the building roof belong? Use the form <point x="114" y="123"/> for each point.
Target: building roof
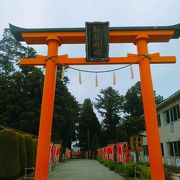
<point x="140" y="133"/>
<point x="169" y="100"/>
<point x="17" y="31"/>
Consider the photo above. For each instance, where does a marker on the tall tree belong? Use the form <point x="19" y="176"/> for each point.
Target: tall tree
<point x="133" y="101"/>
<point x="21" y="93"/>
<point x="21" y="100"/>
<point x="89" y="127"/>
<point x="133" y="104"/>
<point x="21" y="88"/>
<point x="66" y="115"/>
<point x="130" y="126"/>
<point x="10" y="53"/>
<point x="158" y="98"/>
<point x="109" y="104"/>
<point x="133" y="121"/>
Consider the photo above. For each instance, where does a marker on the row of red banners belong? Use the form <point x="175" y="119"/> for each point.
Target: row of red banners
<point x="68" y="153"/>
<point x="55" y="151"/>
<point x="115" y="152"/>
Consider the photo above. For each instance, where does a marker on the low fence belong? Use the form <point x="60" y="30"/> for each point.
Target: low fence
<point x="170" y="161"/>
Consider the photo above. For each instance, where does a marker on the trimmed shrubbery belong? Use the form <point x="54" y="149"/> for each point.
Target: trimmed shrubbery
<point x="35" y="142"/>
<point x="9" y="155"/>
<point x="22" y="152"/>
<point x="17" y="152"/>
<point x="127" y="170"/>
<point x="144" y="171"/>
<point x="29" y="151"/>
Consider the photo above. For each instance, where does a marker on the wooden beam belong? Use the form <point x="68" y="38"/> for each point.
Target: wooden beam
<point x="114" y="36"/>
<point x="64" y="60"/>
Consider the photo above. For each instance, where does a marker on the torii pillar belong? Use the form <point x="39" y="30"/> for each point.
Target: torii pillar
<point x="47" y="109"/>
<point x="140" y="36"/>
<point x="152" y="131"/>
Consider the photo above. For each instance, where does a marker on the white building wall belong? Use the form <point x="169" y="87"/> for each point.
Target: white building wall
<point x="168" y="132"/>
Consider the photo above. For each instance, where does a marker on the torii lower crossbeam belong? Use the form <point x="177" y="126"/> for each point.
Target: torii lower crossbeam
<point x="64" y="60"/>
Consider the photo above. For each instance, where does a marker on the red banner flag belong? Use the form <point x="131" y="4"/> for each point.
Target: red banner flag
<point x="111" y="152"/>
<point x="127" y="154"/>
<point x="120" y="152"/>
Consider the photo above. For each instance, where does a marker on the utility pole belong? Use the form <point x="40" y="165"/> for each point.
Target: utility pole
<point x="88" y="140"/>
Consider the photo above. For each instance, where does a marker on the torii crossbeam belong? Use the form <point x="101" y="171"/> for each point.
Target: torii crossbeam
<point x="140" y="36"/>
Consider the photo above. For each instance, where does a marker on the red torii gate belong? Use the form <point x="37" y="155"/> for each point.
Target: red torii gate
<point x="140" y="36"/>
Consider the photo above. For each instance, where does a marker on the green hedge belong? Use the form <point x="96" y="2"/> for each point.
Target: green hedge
<point x="9" y="155"/>
<point x="127" y="170"/>
<point x="17" y="151"/>
<point x="35" y="142"/>
<point x="22" y="152"/>
<point x="145" y="171"/>
<point x="29" y="151"/>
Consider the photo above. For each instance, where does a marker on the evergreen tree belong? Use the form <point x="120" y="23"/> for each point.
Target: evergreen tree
<point x="21" y="94"/>
<point x="10" y="53"/>
<point x="66" y="115"/>
<point x="133" y="104"/>
<point x="130" y="126"/>
<point x="133" y="101"/>
<point x="21" y="100"/>
<point x="20" y="87"/>
<point x="133" y="121"/>
<point x="109" y="104"/>
<point x="89" y="127"/>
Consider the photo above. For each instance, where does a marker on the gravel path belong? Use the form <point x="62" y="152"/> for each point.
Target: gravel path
<point x="81" y="169"/>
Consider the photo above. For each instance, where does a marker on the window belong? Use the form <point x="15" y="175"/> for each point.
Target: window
<point x="159" y="120"/>
<point x="167" y="117"/>
<point x="134" y="139"/>
<point x="172" y="114"/>
<point x="177" y="148"/>
<point x="170" y="148"/>
<point x="176" y="112"/>
<point x="162" y="149"/>
<point x="174" y="148"/>
<point x="145" y="150"/>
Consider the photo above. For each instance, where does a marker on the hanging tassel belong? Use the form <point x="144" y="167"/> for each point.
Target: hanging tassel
<point x="80" y="79"/>
<point x="114" y="78"/>
<point x="62" y="75"/>
<point x="132" y="74"/>
<point x="96" y="80"/>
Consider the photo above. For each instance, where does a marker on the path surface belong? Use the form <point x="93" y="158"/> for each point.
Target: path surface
<point x="81" y="169"/>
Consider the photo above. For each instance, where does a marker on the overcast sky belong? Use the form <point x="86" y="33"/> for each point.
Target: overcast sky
<point x="74" y="13"/>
